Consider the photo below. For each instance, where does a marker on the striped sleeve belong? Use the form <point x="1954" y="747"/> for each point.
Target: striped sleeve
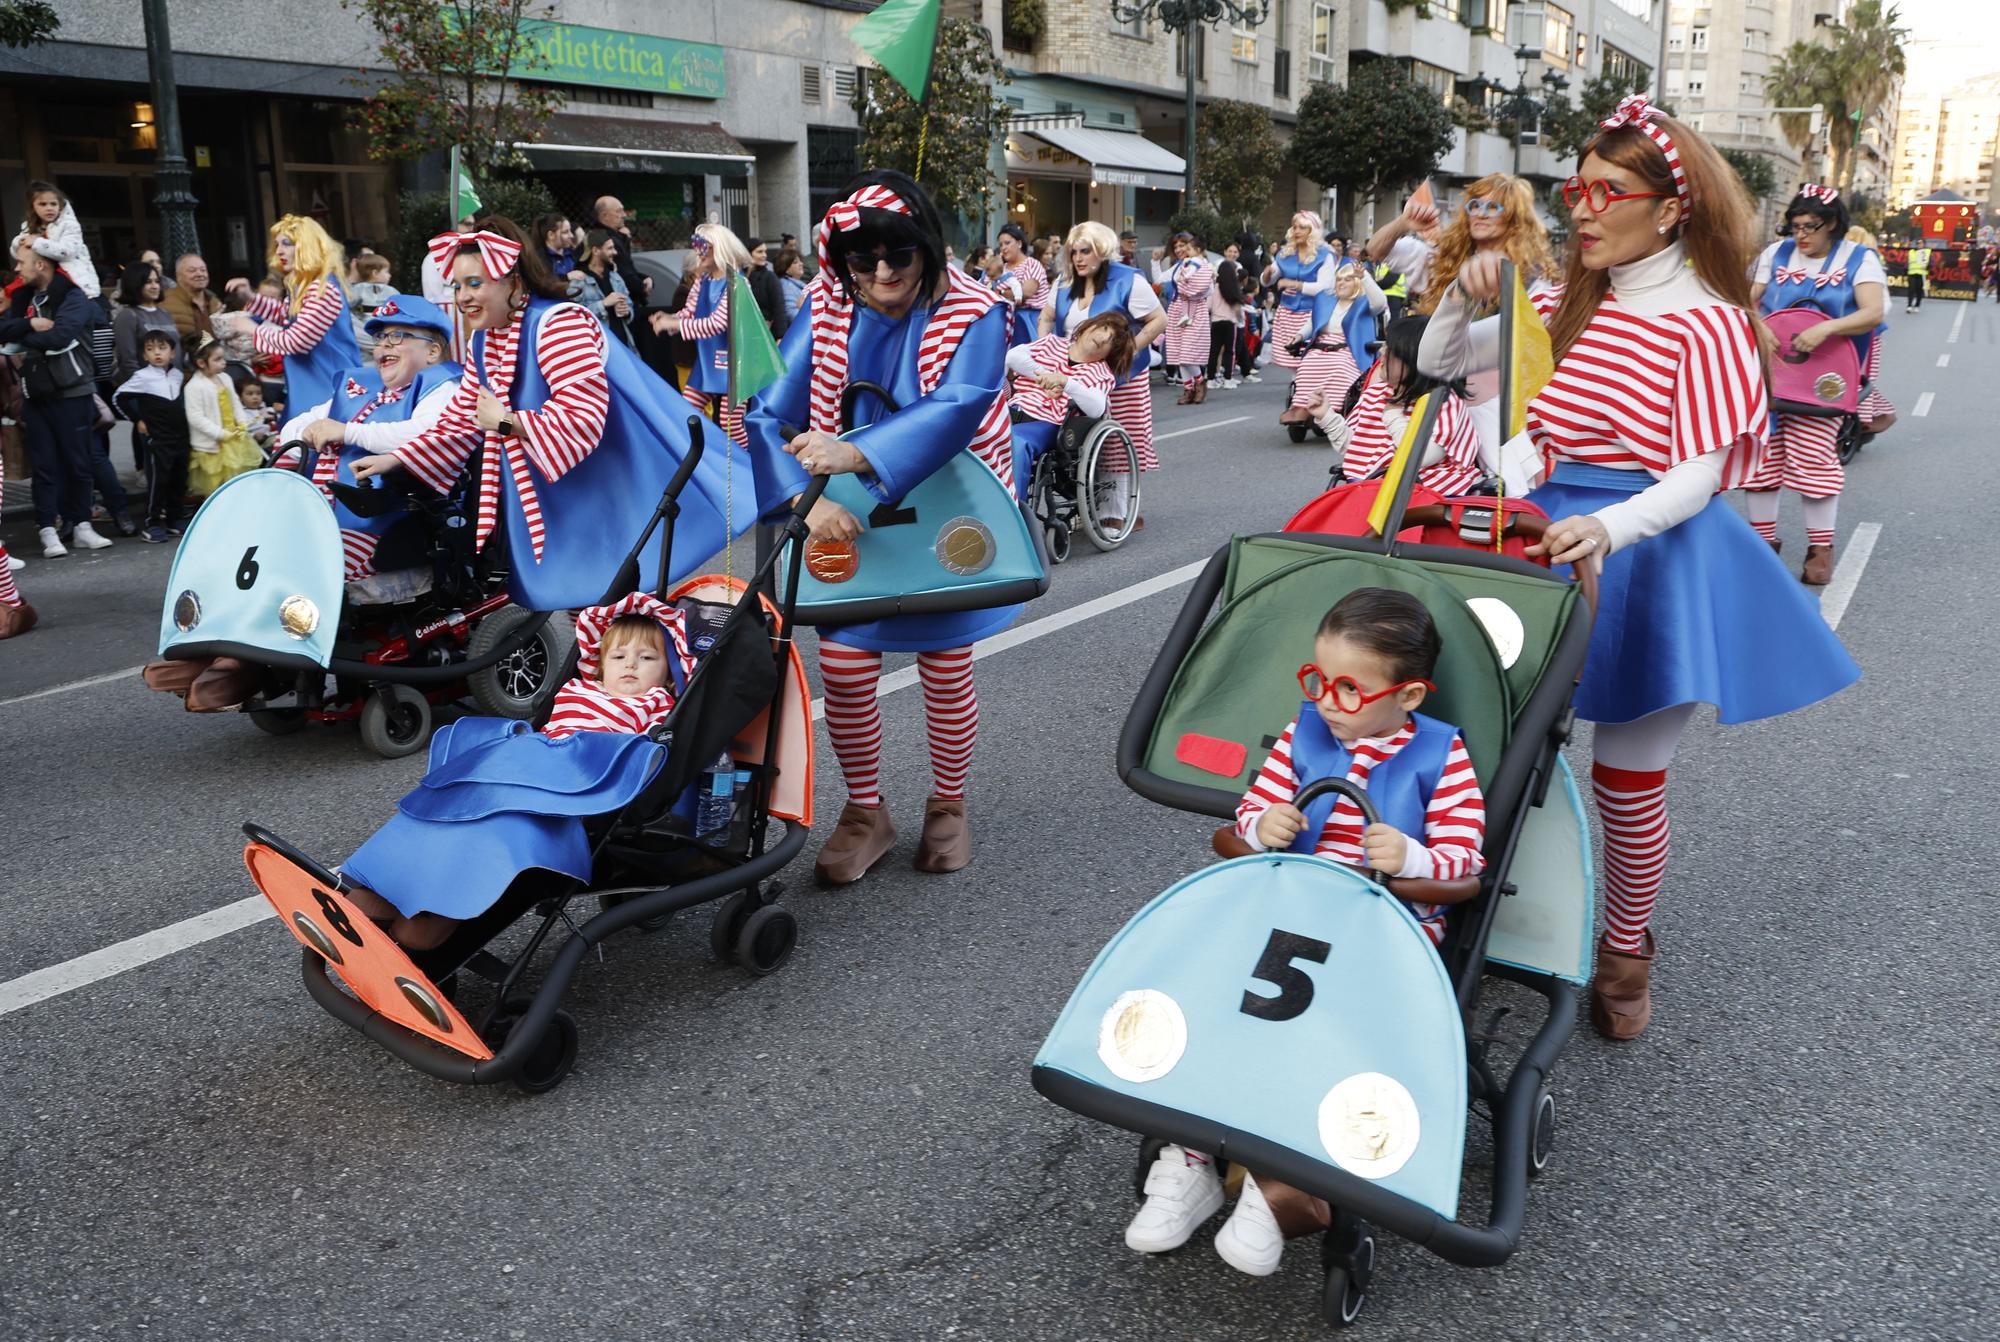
<point x="302" y="332"/>
<point x="701" y="328"/>
<point x="265" y="308"/>
<point x="1455" y="820"/>
<point x="1545" y="296"/>
<point x="582" y="705"/>
<point x="1274" y="785"/>
<point x="1199" y="280"/>
<point x="438" y="454"/>
<point x="567" y="427"/>
<point x="1719" y="398"/>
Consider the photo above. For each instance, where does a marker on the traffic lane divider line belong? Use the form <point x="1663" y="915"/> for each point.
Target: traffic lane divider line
<point x="1956" y="323"/>
<point x="1847" y="573"/>
<point x="1923" y="406"/>
<point x="1944" y="361"/>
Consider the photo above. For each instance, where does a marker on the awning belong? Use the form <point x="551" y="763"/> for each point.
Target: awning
<point x="573" y="143"/>
<point x="1116" y="157"/>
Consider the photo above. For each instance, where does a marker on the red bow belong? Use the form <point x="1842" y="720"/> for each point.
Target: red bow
<point x="1812" y="191"/>
<point x="497" y="255"/>
<point x="1642" y="116"/>
<point x="1799" y="275"/>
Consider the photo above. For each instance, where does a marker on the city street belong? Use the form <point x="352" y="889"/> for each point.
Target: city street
<point x="1801" y="1147"/>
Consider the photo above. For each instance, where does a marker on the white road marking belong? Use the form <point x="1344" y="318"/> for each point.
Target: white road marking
<point x="129" y="673"/>
<point x="147" y="947"/>
<point x="1944" y="361"/>
<point x="1846" y="574"/>
<point x="1199" y="428"/>
<point x="1956" y="323"/>
<point x="1924" y="404"/>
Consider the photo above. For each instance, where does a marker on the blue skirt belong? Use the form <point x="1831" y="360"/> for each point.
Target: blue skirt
<point x="1701" y="613"/>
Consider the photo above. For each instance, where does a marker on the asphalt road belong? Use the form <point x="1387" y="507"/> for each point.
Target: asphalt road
<point x="1802" y="1147"/>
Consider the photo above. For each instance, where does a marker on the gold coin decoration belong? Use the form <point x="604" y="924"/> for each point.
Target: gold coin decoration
<point x="1368" y="1124"/>
<point x="1142" y="1036"/>
<point x="965" y="546"/>
<point x="832" y="561"/>
<point x="1829" y="386"/>
<point x="298" y="616"/>
<point x="187" y="610"/>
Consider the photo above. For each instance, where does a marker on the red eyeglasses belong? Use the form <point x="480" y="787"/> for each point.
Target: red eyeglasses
<point x="1347" y="696"/>
<point x="1599" y="194"/>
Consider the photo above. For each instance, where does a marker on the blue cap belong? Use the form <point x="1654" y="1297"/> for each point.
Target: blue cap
<point x="412" y="311"/>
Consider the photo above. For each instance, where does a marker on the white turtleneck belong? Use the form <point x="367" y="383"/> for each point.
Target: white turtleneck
<point x="1654" y="286"/>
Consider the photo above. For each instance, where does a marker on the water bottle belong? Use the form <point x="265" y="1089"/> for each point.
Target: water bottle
<point x="717" y="798"/>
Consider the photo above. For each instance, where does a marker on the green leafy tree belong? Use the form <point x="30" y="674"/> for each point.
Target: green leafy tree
<point x="1237" y="157"/>
<point x="1849" y="76"/>
<point x="1213" y="230"/>
<point x="26" y="22"/>
<point x="1757" y="173"/>
<point x="458" y="70"/>
<point x="422" y="215"/>
<point x="965" y="116"/>
<point x="1380" y="130"/>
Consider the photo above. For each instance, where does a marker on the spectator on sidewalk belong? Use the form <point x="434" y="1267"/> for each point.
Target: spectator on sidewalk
<point x="52" y="228"/>
<point x="371" y="290"/>
<point x="191" y="303"/>
<point x="612" y="215"/>
<point x="597" y="285"/>
<point x="764" y="286"/>
<point x="558" y="245"/>
<point x="791" y="268"/>
<point x="218" y="433"/>
<point x="141" y="294"/>
<point x="46" y="321"/>
<point x="151" y="399"/>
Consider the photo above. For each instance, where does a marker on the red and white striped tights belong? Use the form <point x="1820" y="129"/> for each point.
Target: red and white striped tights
<point x="9" y="596"/>
<point x="1629" y="778"/>
<point x="721" y="410"/>
<point x="854" y="717"/>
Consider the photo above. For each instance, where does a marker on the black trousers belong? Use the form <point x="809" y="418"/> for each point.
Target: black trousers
<point x="1221" y="348"/>
<point x="1916" y="290"/>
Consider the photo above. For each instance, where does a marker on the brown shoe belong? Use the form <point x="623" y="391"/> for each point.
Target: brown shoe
<point x="1777" y="547"/>
<point x="1621" y="998"/>
<point x="863" y="837"/>
<point x="224" y="685"/>
<point x="1187" y="395"/>
<point x="16" y="619"/>
<point x="1201" y="391"/>
<point x="947" y="843"/>
<point x="1819" y="566"/>
<point x="173" y="677"/>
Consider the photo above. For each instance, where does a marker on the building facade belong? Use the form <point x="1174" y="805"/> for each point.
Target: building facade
<point x="1949" y="143"/>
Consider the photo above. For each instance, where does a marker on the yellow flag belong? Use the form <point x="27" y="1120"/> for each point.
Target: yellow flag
<point x="1407" y="451"/>
<point x="1527" y="360"/>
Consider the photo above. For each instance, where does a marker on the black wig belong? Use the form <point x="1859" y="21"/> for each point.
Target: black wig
<point x="1812" y="202"/>
<point x="1402" y="339"/>
<point x="920" y="228"/>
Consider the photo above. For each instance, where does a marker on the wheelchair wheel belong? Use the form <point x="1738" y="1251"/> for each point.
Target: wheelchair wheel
<point x="523" y="682"/>
<point x="1107" y="454"/>
<point x="399" y="727"/>
<point x="1046" y="502"/>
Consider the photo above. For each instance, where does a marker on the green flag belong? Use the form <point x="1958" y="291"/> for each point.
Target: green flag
<point x="901" y="35"/>
<point x="754" y="362"/>
<point x="464" y="200"/>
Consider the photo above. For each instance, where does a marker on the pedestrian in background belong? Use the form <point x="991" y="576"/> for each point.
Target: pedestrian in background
<point x="51" y="226"/>
<point x="218" y="430"/>
<point x="1225" y="314"/>
<point x="190" y="302"/>
<point x="764" y="286"/>
<point x="371" y="290"/>
<point x="791" y="268"/>
<point x="558" y="240"/>
<point x="47" y="320"/>
<point x="141" y="310"/>
<point x="151" y="399"/>
<point x="598" y="286"/>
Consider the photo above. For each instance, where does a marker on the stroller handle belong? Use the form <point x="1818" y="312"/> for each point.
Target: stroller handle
<point x="1354" y="792"/>
<point x="307" y="454"/>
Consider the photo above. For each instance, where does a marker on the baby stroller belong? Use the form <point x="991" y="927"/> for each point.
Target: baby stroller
<point x="747" y="695"/>
<point x="258" y="577"/>
<point x="1066" y="492"/>
<point x="1289" y="1015"/>
<point x="1826" y="384"/>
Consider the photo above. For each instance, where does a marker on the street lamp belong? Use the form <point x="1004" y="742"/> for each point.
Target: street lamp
<point x="173" y="183"/>
<point x="1183" y="17"/>
<point x="1521" y="108"/>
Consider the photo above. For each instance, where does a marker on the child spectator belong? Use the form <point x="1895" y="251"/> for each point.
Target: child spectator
<point x="52" y="229"/>
<point x="1373" y="655"/>
<point x="151" y="399"/>
<point x="1052" y="374"/>
<point x="218" y="437"/>
<point x="371" y="290"/>
<point x="261" y="420"/>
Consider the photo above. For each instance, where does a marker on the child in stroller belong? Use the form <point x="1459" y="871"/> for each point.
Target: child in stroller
<point x="632" y="659"/>
<point x="1373" y="656"/>
<point x="1376" y="424"/>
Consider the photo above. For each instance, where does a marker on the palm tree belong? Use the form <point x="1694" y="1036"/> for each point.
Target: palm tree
<point x="1848" y="78"/>
<point x="1871" y="54"/>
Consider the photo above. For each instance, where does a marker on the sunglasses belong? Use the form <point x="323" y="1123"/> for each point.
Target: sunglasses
<point x="1599" y="194"/>
<point x="1486" y="207"/>
<point x="1346" y="695"/>
<point x="866" y="263"/>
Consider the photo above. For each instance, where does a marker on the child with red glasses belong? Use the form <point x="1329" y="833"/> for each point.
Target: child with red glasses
<point x="1372" y="662"/>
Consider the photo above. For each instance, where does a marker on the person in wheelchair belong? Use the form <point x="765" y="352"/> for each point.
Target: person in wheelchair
<point x="500" y="799"/>
<point x="1381" y="416"/>
<point x="1373" y="655"/>
<point x="1053" y="376"/>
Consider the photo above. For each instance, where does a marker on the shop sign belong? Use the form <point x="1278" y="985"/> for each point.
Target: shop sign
<point x="569" y="53"/>
<point x="1038" y="158"/>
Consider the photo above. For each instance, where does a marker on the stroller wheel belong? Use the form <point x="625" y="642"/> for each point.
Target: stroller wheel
<point x="1542" y="1140"/>
<point x="398" y="727"/>
<point x="727" y="925"/>
<point x="1349" y="1270"/>
<point x="767" y="940"/>
<point x="552" y="1059"/>
<point x="1298" y="431"/>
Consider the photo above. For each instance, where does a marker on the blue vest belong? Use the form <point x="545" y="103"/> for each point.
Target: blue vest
<point x="1400" y="786"/>
<point x="1114" y="296"/>
<point x="1291" y="268"/>
<point x="1835" y="299"/>
<point x="593" y="514"/>
<point x="355" y="388"/>
<point x="711" y="358"/>
<point x="315" y="375"/>
<point x="1357" y="328"/>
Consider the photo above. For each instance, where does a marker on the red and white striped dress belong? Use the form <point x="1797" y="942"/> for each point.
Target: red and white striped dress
<point x="1187" y="315"/>
<point x="552" y="438"/>
<point x="1288" y="326"/>
<point x="1031" y="279"/>
<point x="1652" y="392"/>
<point x="1454" y="819"/>
<point x="279" y="332"/>
<point x="1052" y="352"/>
<point x="718" y="407"/>
<point x="1374" y="440"/>
<point x="1874" y="405"/>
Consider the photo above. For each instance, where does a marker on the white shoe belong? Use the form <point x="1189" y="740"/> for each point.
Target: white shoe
<point x="1180" y="1195"/>
<point x="1253" y="378"/>
<point x="52" y="546"/>
<point x="15" y="564"/>
<point x="1229" y="383"/>
<point x="86" y="538"/>
<point x="1250" y="1240"/>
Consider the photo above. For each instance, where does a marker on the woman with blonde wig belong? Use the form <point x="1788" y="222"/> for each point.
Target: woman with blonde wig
<point x="719" y="255"/>
<point x="308" y="328"/>
<point x="1303" y="270"/>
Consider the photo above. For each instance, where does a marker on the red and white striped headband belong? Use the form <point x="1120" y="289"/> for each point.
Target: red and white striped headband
<point x="1642" y="116"/>
<point x="1824" y="194"/>
<point x="845" y="215"/>
<point x="497" y="255"/>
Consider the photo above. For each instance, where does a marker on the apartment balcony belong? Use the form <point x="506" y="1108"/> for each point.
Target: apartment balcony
<point x="1442" y="42"/>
